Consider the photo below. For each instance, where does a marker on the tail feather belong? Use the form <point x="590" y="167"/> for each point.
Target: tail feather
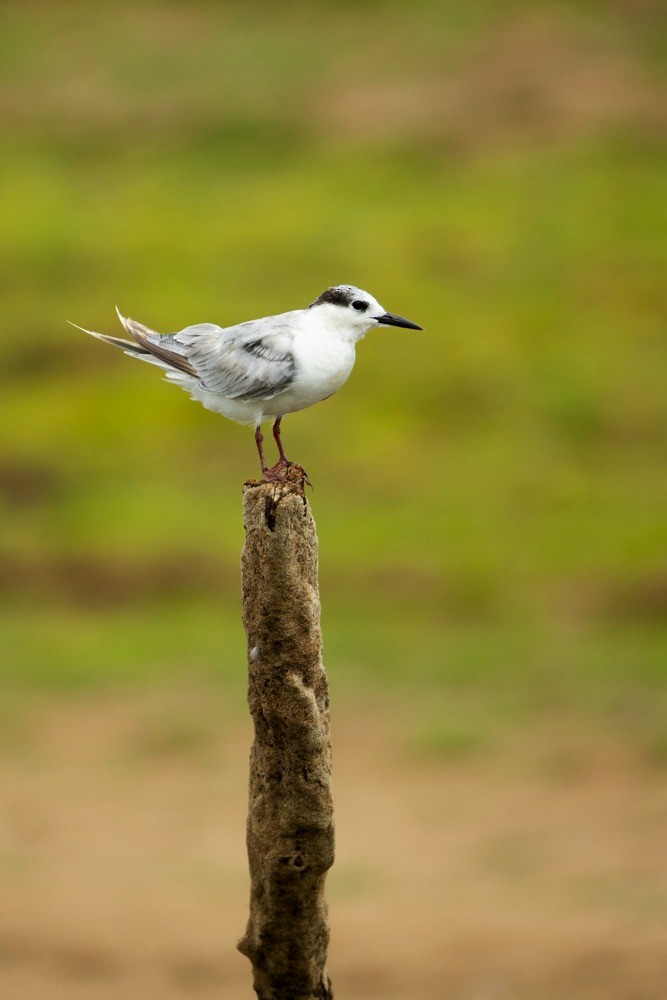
<point x="136" y="330"/>
<point x="132" y="347"/>
<point x="144" y="346"/>
<point x="143" y="335"/>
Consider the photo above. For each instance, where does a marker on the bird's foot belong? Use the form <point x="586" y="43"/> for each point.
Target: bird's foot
<point x="287" y="472"/>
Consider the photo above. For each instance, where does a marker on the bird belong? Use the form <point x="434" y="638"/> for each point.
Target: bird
<point x="264" y="368"/>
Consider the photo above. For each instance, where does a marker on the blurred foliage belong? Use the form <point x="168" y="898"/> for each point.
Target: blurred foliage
<point x="490" y="493"/>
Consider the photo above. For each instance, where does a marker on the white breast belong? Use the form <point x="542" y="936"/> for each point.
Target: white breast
<point x="324" y="363"/>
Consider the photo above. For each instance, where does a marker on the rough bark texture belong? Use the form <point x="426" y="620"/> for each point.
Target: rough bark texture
<point x="290" y="833"/>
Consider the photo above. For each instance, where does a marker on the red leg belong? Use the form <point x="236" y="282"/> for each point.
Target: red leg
<point x="277" y="472"/>
<point x="259" y="438"/>
<point x="276" y="434"/>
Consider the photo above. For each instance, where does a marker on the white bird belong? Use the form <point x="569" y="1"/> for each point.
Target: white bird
<point x="267" y="367"/>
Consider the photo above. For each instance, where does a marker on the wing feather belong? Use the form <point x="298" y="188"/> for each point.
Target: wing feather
<point x="250" y="361"/>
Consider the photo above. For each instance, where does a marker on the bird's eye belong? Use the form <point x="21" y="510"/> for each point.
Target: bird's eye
<point x="361" y="306"/>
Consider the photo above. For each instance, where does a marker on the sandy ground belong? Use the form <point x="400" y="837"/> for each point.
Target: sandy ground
<point x="535" y="873"/>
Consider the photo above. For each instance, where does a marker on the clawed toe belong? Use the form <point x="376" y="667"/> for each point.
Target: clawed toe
<point x="287" y="472"/>
<point x="277" y="474"/>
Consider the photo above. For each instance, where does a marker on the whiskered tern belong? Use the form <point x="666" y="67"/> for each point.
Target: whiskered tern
<point x="264" y="368"/>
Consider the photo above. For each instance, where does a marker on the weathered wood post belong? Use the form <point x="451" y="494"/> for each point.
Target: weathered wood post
<point x="290" y="833"/>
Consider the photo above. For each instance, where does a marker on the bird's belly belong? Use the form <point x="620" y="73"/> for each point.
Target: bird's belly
<point x="242" y="411"/>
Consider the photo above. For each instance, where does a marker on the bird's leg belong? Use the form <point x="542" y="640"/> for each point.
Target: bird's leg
<point x="276" y="473"/>
<point x="276" y="434"/>
<point x="283" y="471"/>
<point x="259" y="438"/>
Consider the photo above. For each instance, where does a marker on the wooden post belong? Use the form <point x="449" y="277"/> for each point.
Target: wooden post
<point x="290" y="833"/>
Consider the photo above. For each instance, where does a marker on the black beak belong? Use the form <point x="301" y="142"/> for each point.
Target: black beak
<point x="388" y="319"/>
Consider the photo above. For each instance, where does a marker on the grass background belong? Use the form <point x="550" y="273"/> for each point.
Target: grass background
<point x="490" y="493"/>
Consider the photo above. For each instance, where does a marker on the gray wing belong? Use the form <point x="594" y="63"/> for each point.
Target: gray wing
<point x="253" y="360"/>
<point x="250" y="361"/>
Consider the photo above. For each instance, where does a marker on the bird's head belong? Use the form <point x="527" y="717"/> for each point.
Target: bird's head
<point x="354" y="312"/>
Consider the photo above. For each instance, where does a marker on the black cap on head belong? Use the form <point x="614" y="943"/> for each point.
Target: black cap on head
<point x="337" y="295"/>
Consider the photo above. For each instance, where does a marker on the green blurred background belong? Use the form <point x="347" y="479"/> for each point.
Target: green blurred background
<point x="489" y="493"/>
